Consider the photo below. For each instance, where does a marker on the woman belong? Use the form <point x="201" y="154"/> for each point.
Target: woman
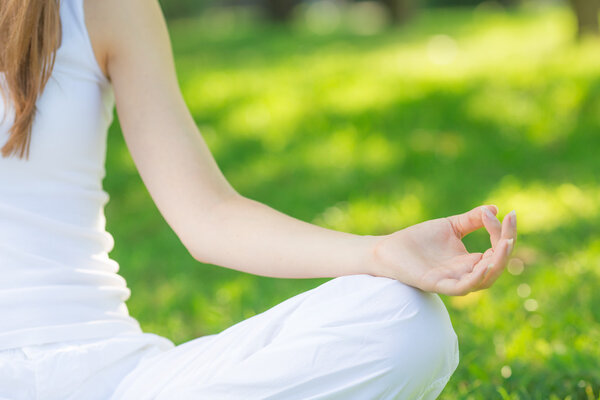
<point x="373" y="332"/>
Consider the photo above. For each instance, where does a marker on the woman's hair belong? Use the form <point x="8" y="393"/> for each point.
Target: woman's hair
<point x="30" y="34"/>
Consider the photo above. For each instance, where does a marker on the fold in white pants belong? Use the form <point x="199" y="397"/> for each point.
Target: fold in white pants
<point x="356" y="337"/>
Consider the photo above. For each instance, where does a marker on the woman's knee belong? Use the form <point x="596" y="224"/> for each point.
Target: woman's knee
<point x="422" y="344"/>
<point x="397" y="321"/>
<point x="408" y="329"/>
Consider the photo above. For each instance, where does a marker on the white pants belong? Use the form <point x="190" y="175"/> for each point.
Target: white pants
<point x="353" y="338"/>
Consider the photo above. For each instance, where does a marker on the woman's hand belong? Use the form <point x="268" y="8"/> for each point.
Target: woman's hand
<point x="431" y="256"/>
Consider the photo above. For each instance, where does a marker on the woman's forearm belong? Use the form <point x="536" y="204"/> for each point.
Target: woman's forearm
<point x="249" y="236"/>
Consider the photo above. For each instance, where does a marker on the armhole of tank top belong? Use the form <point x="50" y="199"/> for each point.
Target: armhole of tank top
<point x="80" y="9"/>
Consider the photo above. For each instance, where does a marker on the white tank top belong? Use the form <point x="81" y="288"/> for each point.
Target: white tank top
<point x="57" y="281"/>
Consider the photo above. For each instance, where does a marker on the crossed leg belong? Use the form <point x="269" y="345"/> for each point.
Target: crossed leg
<point x="354" y="338"/>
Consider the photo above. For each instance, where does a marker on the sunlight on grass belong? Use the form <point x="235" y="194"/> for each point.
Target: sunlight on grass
<point x="345" y="148"/>
<point x="543" y="207"/>
<point x="470" y="300"/>
<point x="497" y="45"/>
<point x="372" y="213"/>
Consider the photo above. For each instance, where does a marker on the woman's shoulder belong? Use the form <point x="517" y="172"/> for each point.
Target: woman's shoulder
<point x="112" y="23"/>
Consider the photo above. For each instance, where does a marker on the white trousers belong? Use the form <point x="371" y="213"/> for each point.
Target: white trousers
<point x="352" y="338"/>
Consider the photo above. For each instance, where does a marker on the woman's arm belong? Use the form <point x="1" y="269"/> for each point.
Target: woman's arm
<point x="215" y="223"/>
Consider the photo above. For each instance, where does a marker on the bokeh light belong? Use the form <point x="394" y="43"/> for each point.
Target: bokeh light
<point x="442" y="49"/>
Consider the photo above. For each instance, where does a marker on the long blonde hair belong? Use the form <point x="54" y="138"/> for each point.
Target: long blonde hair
<point x="30" y="33"/>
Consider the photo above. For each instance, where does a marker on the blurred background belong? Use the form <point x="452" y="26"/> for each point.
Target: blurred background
<point x="369" y="116"/>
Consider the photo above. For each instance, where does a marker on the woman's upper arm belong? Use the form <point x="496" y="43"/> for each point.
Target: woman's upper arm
<point x="171" y="156"/>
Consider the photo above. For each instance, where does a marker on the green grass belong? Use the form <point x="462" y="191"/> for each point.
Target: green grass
<point x="368" y="134"/>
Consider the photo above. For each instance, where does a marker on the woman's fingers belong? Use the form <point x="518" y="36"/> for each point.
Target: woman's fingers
<point x="465" y="223"/>
<point x="458" y="279"/>
<point x="492" y="225"/>
<point x="496" y="262"/>
<point x="509" y="226"/>
<point x="498" y="258"/>
<point x="463" y="265"/>
<point x="489" y="268"/>
<point x="467" y="283"/>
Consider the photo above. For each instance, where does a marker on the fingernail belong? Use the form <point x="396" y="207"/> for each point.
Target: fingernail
<point x="488" y="213"/>
<point x="488" y="269"/>
<point x="509" y="247"/>
<point x="513" y="217"/>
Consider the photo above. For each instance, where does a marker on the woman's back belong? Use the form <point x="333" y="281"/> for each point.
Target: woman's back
<point x="58" y="282"/>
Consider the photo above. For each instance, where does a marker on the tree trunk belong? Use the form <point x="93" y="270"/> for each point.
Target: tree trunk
<point x="400" y="10"/>
<point x="586" y="12"/>
<point x="279" y="10"/>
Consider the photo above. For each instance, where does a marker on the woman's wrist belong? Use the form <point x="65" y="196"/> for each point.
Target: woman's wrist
<point x="371" y="261"/>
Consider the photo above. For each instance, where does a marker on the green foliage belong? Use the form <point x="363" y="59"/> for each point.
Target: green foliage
<point x="183" y="8"/>
<point x="460" y="3"/>
<point x="370" y="134"/>
<point x="467" y="3"/>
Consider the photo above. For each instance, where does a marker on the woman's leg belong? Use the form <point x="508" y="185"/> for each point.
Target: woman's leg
<point x="88" y="369"/>
<point x="17" y="376"/>
<point x="355" y="337"/>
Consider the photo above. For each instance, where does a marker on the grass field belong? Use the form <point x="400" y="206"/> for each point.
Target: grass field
<point x="371" y="133"/>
